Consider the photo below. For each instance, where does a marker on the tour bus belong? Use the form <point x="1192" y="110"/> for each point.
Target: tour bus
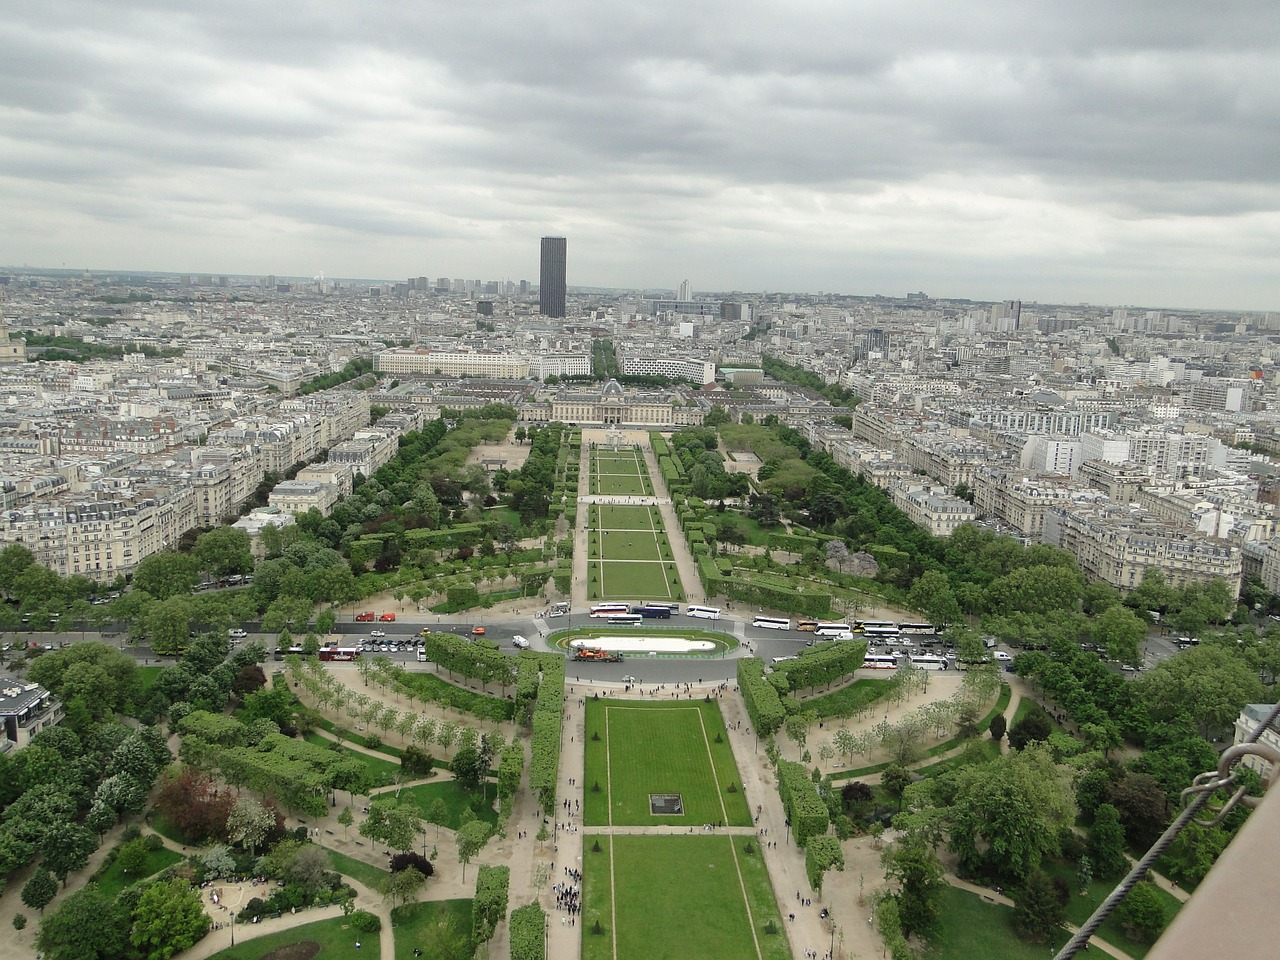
<point x="861" y="625"/>
<point x="653" y="611"/>
<point x="625" y="619"/>
<point x="673" y="607"/>
<point x="881" y="633"/>
<point x="833" y="629"/>
<point x="1185" y="642"/>
<point x="806" y="626"/>
<point x="339" y="653"/>
<point x="772" y="623"/>
<point x="609" y="609"/>
<point x="778" y="660"/>
<point x="879" y="661"/>
<point x="296" y="651"/>
<point x="925" y="662"/>
<point x="702" y="613"/>
<point x="918" y="629"/>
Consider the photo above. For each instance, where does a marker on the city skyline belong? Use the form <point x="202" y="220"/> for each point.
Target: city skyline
<point x="1063" y="154"/>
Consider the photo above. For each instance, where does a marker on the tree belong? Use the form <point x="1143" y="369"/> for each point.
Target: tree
<point x="471" y="840"/>
<point x="1007" y="814"/>
<point x="1209" y="684"/>
<point x="346" y="818"/>
<point x="168" y="919"/>
<point x="438" y="813"/>
<point x="167" y="574"/>
<point x="132" y="856"/>
<point x="1121" y="632"/>
<point x="249" y="823"/>
<point x="66" y="847"/>
<point x="919" y="874"/>
<point x="1038" y="913"/>
<point x="895" y="779"/>
<point x="1141" y="913"/>
<point x="1034" y="726"/>
<point x="223" y="551"/>
<point x="403" y="885"/>
<point x="931" y="595"/>
<point x="85" y="926"/>
<point x="469" y="768"/>
<point x="39" y="890"/>
<point x="218" y="862"/>
<point x="14" y="559"/>
<point x="1140" y="803"/>
<point x="998" y="725"/>
<point x="1106" y="842"/>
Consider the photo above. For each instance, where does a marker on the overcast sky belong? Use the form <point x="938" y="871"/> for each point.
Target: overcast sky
<point x="1111" y="152"/>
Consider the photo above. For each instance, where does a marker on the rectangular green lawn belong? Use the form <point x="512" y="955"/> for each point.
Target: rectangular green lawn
<point x="620" y="485"/>
<point x="972" y="927"/>
<point x="679" y="897"/>
<point x="382" y="773"/>
<point x="628" y="545"/>
<point x="660" y="748"/>
<point x="615" y="517"/>
<point x="636" y="580"/>
<point x="113" y="880"/>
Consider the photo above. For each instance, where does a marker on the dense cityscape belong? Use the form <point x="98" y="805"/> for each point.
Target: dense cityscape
<point x="1023" y="554"/>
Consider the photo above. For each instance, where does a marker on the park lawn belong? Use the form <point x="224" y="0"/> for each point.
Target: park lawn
<point x="157" y="821"/>
<point x="441" y="928"/>
<point x="363" y="873"/>
<point x="334" y="937"/>
<point x="681" y="897"/>
<point x="763" y="901"/>
<point x="628" y="545"/>
<point x="382" y="773"/>
<point x="972" y="927"/>
<point x="147" y="677"/>
<point x="660" y="748"/>
<point x="113" y="880"/>
<point x="597" y="903"/>
<point x="635" y="580"/>
<point x="615" y="517"/>
<point x="1080" y="908"/>
<point x="455" y="801"/>
<point x="620" y="485"/>
<point x="847" y="701"/>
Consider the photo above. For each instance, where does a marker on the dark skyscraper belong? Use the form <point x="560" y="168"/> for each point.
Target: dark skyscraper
<point x="551" y="282"/>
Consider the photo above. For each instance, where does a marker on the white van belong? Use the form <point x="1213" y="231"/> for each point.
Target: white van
<point x="519" y="642"/>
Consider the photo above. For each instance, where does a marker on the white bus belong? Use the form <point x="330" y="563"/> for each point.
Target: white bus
<point x="918" y="629"/>
<point x="923" y="662"/>
<point x="703" y="613"/>
<point x="626" y="619"/>
<point x="772" y="623"/>
<point x="832" y="629"/>
<point x="881" y="633"/>
<point x="778" y="660"/>
<point x="879" y="661"/>
<point x="609" y="609"/>
<point x="867" y="624"/>
<point x="673" y="607"/>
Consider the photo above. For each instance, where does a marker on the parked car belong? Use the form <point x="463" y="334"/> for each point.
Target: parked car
<point x="1002" y="656"/>
<point x="377" y="633"/>
<point x="519" y="642"/>
<point x="235" y="633"/>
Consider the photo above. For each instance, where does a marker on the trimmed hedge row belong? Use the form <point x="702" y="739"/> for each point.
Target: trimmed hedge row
<point x="760" y="697"/>
<point x="528" y="927"/>
<point x="490" y="903"/>
<point x="825" y="663"/>
<point x="795" y="543"/>
<point x="821" y="855"/>
<point x="544" y="768"/>
<point x="462" y="656"/>
<point x="809" y="816"/>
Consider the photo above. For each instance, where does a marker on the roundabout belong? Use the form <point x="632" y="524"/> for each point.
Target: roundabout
<point x="635" y="644"/>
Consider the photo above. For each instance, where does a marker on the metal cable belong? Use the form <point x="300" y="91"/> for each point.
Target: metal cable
<point x="1081" y="937"/>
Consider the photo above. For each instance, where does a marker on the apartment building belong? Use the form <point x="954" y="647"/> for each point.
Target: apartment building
<point x="411" y="361"/>
<point x="933" y="509"/>
<point x="299" y="496"/>
<point x="25" y="710"/>
<point x="1119" y="544"/>
<point x="1021" y="499"/>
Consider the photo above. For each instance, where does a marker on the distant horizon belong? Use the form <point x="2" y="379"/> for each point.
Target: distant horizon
<point x="623" y="290"/>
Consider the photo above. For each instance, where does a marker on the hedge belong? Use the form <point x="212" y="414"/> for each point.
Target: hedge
<point x="825" y="663"/>
<point x="490" y="903"/>
<point x="528" y="929"/>
<point x="821" y="855"/>
<point x="544" y="768"/>
<point x="809" y="816"/>
<point x="760" y="697"/>
<point x="794" y="543"/>
<point x="462" y="535"/>
<point x="462" y="656"/>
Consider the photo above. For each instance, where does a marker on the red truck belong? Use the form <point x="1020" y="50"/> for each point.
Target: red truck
<point x="387" y="617"/>
<point x="366" y="616"/>
<point x="596" y="655"/>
